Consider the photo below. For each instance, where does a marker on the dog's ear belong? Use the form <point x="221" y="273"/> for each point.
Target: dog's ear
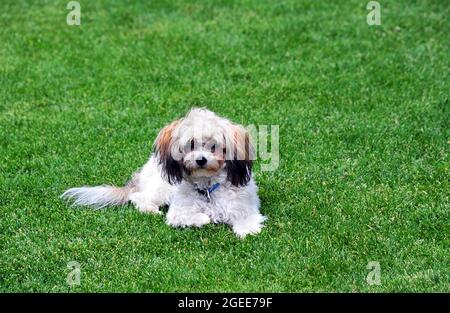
<point x="164" y="150"/>
<point x="239" y="172"/>
<point x="239" y="155"/>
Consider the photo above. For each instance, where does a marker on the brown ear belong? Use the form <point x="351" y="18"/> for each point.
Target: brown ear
<point x="239" y="155"/>
<point x="163" y="150"/>
<point x="239" y="144"/>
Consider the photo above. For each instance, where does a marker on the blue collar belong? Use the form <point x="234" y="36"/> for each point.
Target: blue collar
<point x="213" y="187"/>
<point x="207" y="192"/>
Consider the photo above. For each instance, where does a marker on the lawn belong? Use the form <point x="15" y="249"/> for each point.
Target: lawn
<point x="363" y="113"/>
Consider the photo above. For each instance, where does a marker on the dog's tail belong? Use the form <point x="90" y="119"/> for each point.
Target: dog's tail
<point x="98" y="196"/>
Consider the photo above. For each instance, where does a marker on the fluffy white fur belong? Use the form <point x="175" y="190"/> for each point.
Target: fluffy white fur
<point x="164" y="180"/>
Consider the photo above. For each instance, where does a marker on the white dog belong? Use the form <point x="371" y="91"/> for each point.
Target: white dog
<point x="200" y="168"/>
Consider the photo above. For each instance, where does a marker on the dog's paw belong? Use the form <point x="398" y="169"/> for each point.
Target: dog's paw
<point x="184" y="220"/>
<point x="142" y="205"/>
<point x="252" y="225"/>
<point x="200" y="219"/>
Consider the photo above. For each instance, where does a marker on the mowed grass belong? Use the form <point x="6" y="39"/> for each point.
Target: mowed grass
<point x="364" y="138"/>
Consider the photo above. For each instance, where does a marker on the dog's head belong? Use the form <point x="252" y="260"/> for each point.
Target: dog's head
<point x="202" y="145"/>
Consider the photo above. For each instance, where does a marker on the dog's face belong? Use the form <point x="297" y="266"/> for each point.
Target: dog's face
<point x="203" y="145"/>
<point x="202" y="156"/>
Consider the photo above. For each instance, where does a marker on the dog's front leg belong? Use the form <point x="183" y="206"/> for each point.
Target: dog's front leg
<point x="249" y="225"/>
<point x="145" y="203"/>
<point x="242" y="213"/>
<point x="185" y="216"/>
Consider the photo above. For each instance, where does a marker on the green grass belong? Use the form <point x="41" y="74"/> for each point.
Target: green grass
<point x="364" y="139"/>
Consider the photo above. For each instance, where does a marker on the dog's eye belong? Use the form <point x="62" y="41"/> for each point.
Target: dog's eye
<point x="189" y="146"/>
<point x="213" y="148"/>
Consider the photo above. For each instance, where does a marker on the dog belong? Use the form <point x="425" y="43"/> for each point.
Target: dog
<point x="201" y="168"/>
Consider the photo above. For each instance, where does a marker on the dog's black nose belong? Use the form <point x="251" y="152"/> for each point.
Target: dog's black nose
<point x="201" y="162"/>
